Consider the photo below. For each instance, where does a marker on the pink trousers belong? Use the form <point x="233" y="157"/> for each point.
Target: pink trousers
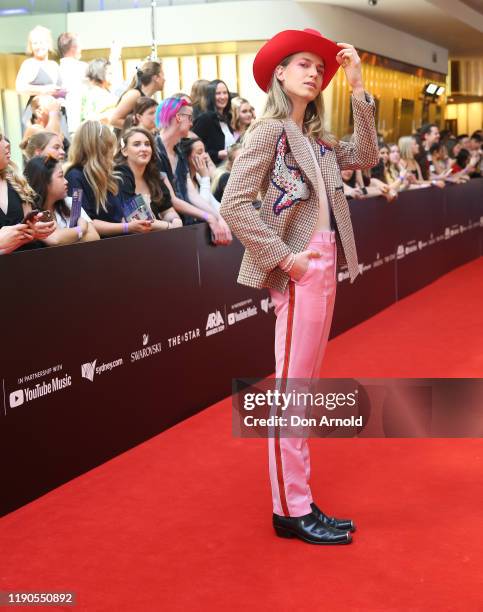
<point x="304" y="315"/>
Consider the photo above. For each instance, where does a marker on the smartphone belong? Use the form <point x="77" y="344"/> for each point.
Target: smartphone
<point x="45" y="216"/>
<point x="29" y="217"/>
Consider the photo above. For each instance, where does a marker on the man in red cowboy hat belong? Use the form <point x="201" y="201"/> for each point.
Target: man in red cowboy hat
<point x="288" y="42"/>
<point x="302" y="230"/>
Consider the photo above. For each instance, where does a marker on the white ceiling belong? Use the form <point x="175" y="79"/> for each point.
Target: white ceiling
<point x="456" y="25"/>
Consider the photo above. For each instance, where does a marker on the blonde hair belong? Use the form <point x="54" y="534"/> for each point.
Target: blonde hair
<point x="37" y="142"/>
<point x="198" y="92"/>
<point x="43" y="32"/>
<point x="93" y="148"/>
<point x="225" y="166"/>
<point x="405" y="144"/>
<point x="12" y="175"/>
<point x="279" y="106"/>
<point x="236" y="105"/>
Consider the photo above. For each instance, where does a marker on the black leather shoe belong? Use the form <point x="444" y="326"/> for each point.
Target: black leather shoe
<point x="330" y="521"/>
<point x="309" y="529"/>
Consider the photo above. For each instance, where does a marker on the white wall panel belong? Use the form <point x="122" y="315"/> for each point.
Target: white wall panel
<point x="253" y="20"/>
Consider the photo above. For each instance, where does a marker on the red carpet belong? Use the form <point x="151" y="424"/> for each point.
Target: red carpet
<point x="182" y="522"/>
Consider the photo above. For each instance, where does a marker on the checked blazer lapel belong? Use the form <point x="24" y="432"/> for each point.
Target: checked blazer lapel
<point x="298" y="147"/>
<point x="332" y="180"/>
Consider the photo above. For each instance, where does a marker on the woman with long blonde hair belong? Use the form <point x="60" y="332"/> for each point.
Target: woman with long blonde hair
<point x="90" y="167"/>
<point x="242" y="117"/>
<point x="408" y="149"/>
<point x="295" y="165"/>
<point x="17" y="199"/>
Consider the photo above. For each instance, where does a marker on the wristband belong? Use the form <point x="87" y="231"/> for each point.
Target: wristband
<point x="205" y="215"/>
<point x="401" y="178"/>
<point x="125" y="227"/>
<point x="79" y="232"/>
<point x="289" y="264"/>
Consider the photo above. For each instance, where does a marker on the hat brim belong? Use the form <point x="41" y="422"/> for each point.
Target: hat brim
<point x="287" y="43"/>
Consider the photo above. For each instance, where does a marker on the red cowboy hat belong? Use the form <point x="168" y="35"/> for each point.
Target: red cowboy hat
<point x="289" y="42"/>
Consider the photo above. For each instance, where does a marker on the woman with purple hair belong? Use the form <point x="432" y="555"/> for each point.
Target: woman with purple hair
<point x="174" y="117"/>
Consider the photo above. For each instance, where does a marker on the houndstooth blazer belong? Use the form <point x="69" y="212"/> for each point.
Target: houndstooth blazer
<point x="276" y="163"/>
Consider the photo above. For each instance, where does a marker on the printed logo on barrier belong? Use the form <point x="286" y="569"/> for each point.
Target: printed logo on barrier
<point x="28" y="394"/>
<point x="189" y="335"/>
<point x="241" y="311"/>
<point x="400" y="251"/>
<point x="146" y="351"/>
<point x="88" y="370"/>
<point x="266" y="305"/>
<point x="39" y="374"/>
<point x="343" y="275"/>
<point x="364" y="267"/>
<point x="411" y="247"/>
<point x="215" y="323"/>
<point x="378" y="261"/>
<point x="17" y="398"/>
<point x="240" y="315"/>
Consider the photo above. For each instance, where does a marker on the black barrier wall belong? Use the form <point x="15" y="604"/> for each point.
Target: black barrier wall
<point x="106" y="344"/>
<point x="109" y="343"/>
<point x="407" y="244"/>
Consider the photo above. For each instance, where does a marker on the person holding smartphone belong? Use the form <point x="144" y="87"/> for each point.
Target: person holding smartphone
<point x="46" y="177"/>
<point x="21" y="227"/>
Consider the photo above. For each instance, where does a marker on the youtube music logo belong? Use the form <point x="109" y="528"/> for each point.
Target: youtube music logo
<point x="16" y="398"/>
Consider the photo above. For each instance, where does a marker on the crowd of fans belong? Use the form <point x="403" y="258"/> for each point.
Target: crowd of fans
<point x="140" y="166"/>
<point x="424" y="159"/>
